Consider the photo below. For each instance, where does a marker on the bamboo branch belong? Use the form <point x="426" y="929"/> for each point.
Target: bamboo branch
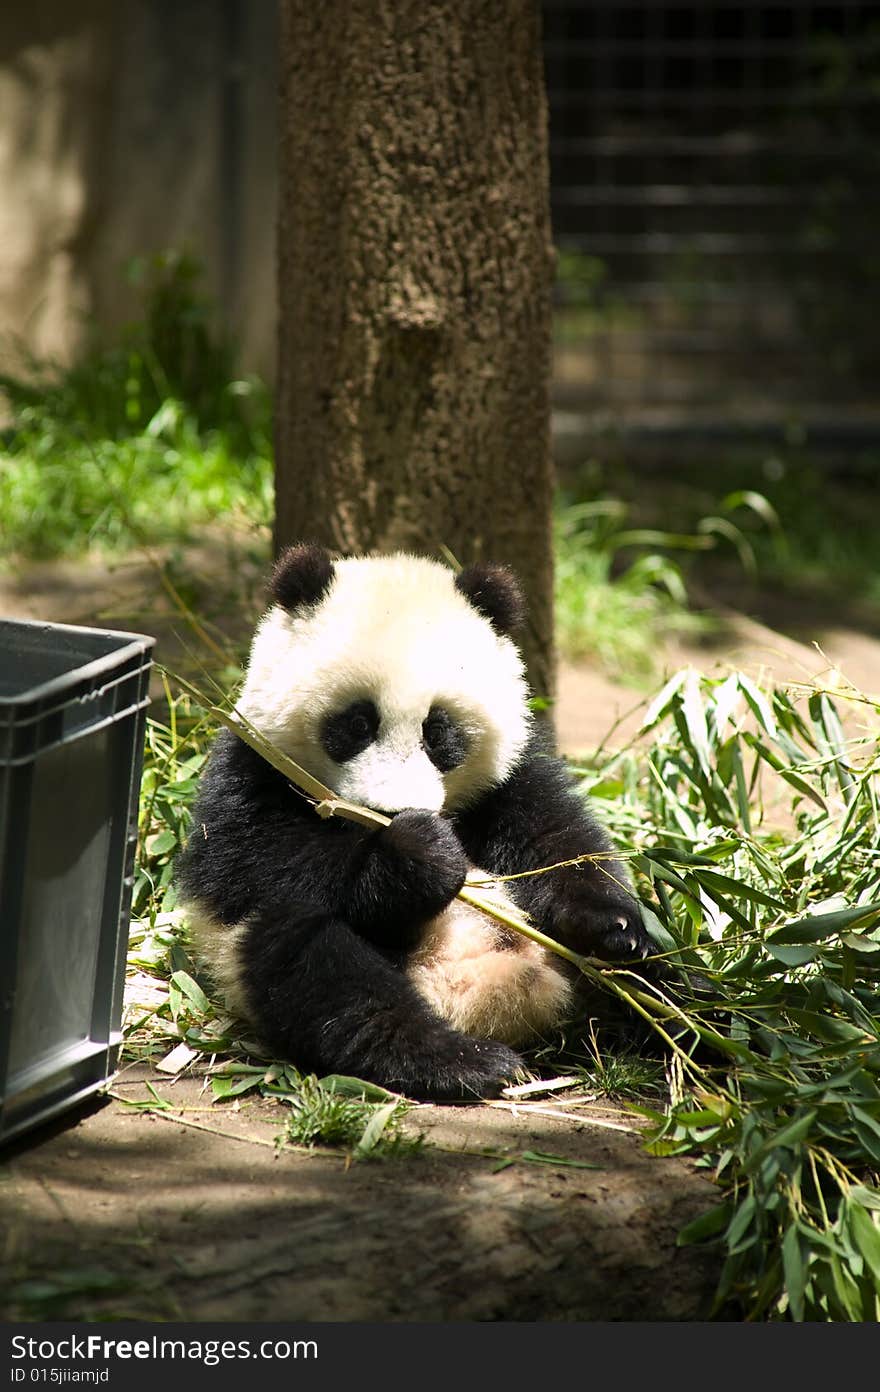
<point x="327" y="804"/>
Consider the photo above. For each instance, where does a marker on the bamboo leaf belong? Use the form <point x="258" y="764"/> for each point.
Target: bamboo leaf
<point x="709" y="1224"/>
<point x="355" y="1087"/>
<point x="375" y="1127"/>
<point x="794" y="780"/>
<point x="741" y="786"/>
<point x="225" y="1086"/>
<point x="725" y="701"/>
<point x="759" y="704"/>
<point x="793" y="956"/>
<point x="794" y="1267"/>
<point x="664" y="699"/>
<point x="868" y="1132"/>
<point x="866" y="1236"/>
<point x="713" y="879"/>
<point x="664" y="940"/>
<point x="860" y="942"/>
<point x="192" y="990"/>
<point x="827" y="1028"/>
<point x="790" y="1136"/>
<point x="741" y="1232"/>
<point x="694" y="715"/>
<point x="818" y="927"/>
<point x="868" y="1198"/>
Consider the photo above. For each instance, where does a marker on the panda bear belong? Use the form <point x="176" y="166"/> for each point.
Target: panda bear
<point x="399" y="685"/>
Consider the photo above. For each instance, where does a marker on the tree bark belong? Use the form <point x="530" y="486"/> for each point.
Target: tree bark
<point x="415" y="263"/>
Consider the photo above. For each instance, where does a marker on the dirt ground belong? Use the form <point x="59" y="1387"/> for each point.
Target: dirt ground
<point x="154" y="1219"/>
<point x="114" y="1213"/>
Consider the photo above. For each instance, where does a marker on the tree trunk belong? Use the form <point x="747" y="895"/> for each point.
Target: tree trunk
<point x="415" y="271"/>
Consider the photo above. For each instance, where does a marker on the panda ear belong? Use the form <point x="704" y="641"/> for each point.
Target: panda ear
<point x="494" y="592"/>
<point x="302" y="575"/>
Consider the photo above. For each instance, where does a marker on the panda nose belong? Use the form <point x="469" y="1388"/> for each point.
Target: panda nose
<point x="411" y="781"/>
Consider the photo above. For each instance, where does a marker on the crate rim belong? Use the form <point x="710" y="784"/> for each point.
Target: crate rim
<point x="136" y="644"/>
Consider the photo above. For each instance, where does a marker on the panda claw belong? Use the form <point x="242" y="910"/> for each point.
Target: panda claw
<point x="621" y="937"/>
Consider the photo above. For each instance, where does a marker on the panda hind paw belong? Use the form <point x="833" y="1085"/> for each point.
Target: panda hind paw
<point x="483" y="1069"/>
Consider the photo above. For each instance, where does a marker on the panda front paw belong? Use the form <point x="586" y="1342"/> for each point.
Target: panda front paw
<point x="614" y="931"/>
<point x="427" y="855"/>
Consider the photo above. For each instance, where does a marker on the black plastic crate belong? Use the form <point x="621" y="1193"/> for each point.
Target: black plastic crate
<point x="72" y="703"/>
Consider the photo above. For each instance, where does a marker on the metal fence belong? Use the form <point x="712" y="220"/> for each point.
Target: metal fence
<point x="716" y="204"/>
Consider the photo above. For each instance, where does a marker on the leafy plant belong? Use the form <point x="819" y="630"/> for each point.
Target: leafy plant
<point x="808" y="536"/>
<point x="350" y="1113"/>
<point x="619" y="593"/>
<point x="172" y="353"/>
<point x="602" y="1061"/>
<point x="768" y="911"/>
<point x="175" y="751"/>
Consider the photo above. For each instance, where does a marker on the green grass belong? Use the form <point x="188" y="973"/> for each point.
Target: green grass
<point x="800" y="517"/>
<point x="347" y="1113"/>
<point x="60" y="497"/>
<point x="144" y="439"/>
<point x="755" y="821"/>
<point x="618" y="612"/>
<point x="602" y="1061"/>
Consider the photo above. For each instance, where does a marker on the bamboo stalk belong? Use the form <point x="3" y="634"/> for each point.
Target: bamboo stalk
<point x="327" y="804"/>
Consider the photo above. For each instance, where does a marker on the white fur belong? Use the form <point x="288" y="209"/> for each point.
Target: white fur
<point x="508" y="989"/>
<point x="392" y="629"/>
<point x="218" y="946"/>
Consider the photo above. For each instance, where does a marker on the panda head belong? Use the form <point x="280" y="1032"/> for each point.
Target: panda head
<point x="391" y="679"/>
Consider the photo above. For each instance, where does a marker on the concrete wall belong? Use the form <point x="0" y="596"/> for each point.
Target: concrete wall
<point x="129" y="127"/>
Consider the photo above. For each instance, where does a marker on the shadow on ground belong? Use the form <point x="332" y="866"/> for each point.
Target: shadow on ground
<point x="123" y="1214"/>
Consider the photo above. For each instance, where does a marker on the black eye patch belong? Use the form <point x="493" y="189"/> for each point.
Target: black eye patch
<point x="350" y="731"/>
<point x="444" y="741"/>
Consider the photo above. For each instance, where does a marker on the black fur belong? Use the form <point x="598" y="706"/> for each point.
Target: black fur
<point x="443" y="739"/>
<point x="333" y="909"/>
<point x="494" y="591"/>
<point x="350" y="731"/>
<point x="536" y="818"/>
<point x="302" y="575"/>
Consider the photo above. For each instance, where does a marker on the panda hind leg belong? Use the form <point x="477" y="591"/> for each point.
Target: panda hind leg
<point x="321" y="996"/>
